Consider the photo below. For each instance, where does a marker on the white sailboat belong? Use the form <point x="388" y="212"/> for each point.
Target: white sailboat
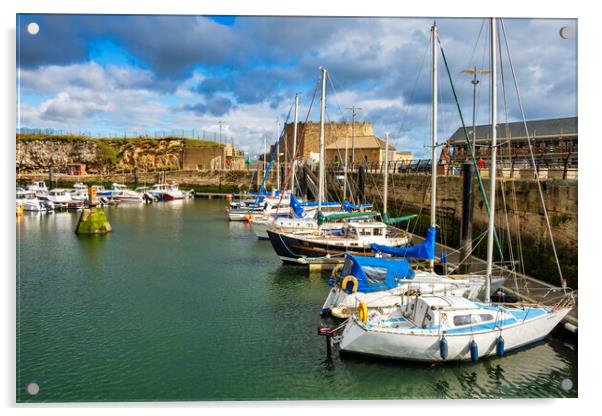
<point x="378" y="283"/>
<point x="355" y="236"/>
<point x="436" y="328"/>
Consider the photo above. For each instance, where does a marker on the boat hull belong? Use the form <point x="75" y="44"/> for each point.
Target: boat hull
<point x="289" y="248"/>
<point x="425" y="346"/>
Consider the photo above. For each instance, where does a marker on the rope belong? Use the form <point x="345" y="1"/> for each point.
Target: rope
<point x="275" y="150"/>
<point x="543" y="203"/>
<point x="300" y="138"/>
<point x="472" y="156"/>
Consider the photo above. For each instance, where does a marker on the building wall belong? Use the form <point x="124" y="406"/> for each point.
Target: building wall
<point x="202" y="158"/>
<point x="308" y="135"/>
<point x="361" y="155"/>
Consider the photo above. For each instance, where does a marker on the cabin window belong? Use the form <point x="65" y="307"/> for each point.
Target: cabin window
<point x="460" y="320"/>
<point x="365" y="231"/>
<point x="378" y="231"/>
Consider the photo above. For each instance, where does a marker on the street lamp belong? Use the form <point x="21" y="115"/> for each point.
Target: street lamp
<point x="474" y="72"/>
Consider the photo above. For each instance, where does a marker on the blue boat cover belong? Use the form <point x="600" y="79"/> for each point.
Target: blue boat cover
<point x="374" y="274"/>
<point x="424" y="250"/>
<point x="297" y="205"/>
<point x="348" y="206"/>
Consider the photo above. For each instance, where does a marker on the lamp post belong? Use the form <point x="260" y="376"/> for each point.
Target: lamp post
<point x="353" y="114"/>
<point x="475" y="81"/>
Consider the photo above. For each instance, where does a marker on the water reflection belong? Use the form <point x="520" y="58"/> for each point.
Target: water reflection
<point x="178" y="294"/>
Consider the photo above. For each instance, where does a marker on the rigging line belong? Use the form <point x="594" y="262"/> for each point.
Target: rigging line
<point x="276" y="148"/>
<point x="334" y="91"/>
<point x="331" y="128"/>
<point x="520" y="104"/>
<point x="509" y="138"/>
<point x="301" y="138"/>
<point x="472" y="156"/>
<point x="407" y="109"/>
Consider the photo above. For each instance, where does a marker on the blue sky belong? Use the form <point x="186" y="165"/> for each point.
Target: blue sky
<point x="110" y="74"/>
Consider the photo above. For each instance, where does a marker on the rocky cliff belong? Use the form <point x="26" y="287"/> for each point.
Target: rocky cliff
<point x="35" y="152"/>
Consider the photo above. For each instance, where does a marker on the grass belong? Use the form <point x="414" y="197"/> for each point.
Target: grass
<point x="119" y="141"/>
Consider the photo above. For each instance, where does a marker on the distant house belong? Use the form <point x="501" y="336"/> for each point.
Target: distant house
<point x="405" y="157"/>
<point x="76" y="169"/>
<point x="368" y="149"/>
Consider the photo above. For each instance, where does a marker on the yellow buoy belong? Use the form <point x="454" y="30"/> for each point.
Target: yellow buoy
<point x="363" y="313"/>
<point x="347" y="279"/>
<point x="19" y="210"/>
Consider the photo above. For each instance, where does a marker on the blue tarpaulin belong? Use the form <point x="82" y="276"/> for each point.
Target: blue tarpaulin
<point x="374" y="274"/>
<point x="348" y="206"/>
<point x="297" y="206"/>
<point x="424" y="250"/>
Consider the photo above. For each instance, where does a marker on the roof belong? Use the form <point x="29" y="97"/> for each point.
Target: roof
<point x="361" y="142"/>
<point x="371" y="224"/>
<point x="546" y="127"/>
<point x="447" y="301"/>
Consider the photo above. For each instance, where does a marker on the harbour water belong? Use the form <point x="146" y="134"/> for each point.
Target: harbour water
<point x="177" y="303"/>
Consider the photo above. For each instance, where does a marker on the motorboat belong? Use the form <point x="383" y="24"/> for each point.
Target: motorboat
<point x="166" y="191"/>
<point x="61" y="198"/>
<point x="28" y="200"/>
<point x="121" y="193"/>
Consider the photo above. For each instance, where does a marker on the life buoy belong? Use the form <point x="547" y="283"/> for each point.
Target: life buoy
<point x="352" y="279"/>
<point x="363" y="313"/>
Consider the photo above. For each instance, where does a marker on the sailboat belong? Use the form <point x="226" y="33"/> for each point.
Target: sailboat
<point x="379" y="282"/>
<point x="356" y="235"/>
<point x="437" y="328"/>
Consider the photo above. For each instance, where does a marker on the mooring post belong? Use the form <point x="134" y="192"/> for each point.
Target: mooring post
<point x="50" y="175"/>
<point x="135" y="177"/>
<point x="361" y="184"/>
<point x="467" y="210"/>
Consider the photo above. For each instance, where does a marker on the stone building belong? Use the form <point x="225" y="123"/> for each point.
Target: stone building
<point x="308" y="137"/>
<point x="212" y="158"/>
<point x="368" y="149"/>
<point x="405" y="157"/>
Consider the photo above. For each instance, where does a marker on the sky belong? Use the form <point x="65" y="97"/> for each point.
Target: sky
<point x="116" y="75"/>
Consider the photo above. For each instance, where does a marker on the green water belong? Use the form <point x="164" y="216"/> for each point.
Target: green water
<point x="179" y="304"/>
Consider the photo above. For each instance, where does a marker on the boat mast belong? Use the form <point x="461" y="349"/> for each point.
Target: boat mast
<point x="434" y="139"/>
<point x="278" y="153"/>
<point x="386" y="190"/>
<point x="293" y="158"/>
<point x="321" y="176"/>
<point x="492" y="168"/>
<point x="345" y="171"/>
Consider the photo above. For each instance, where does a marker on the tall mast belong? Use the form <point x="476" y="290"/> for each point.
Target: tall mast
<point x="386" y="191"/>
<point x="278" y="154"/>
<point x="345" y="170"/>
<point x="293" y="158"/>
<point x="434" y="138"/>
<point x="265" y="150"/>
<point x="492" y="169"/>
<point x="321" y="176"/>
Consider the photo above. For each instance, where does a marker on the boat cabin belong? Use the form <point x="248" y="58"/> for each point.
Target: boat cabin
<point x="366" y="231"/>
<point x="448" y="311"/>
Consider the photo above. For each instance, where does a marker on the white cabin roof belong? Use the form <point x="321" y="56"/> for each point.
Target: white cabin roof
<point x="447" y="302"/>
<point x="367" y="224"/>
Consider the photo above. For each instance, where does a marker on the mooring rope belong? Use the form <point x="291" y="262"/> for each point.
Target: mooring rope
<point x="524" y="120"/>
